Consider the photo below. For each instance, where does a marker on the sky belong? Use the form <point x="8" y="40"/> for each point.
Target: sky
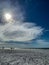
<point x="24" y="23"/>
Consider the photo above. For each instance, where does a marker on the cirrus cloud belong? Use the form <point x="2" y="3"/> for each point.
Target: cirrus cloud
<point x="20" y="32"/>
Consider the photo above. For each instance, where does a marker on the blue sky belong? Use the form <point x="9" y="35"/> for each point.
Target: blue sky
<point x="24" y="23"/>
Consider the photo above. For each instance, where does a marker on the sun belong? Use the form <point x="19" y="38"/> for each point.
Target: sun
<point x="7" y="16"/>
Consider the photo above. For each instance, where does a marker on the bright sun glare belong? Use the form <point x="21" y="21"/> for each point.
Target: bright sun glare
<point x="7" y="16"/>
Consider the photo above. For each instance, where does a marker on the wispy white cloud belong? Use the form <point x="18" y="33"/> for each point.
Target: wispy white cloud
<point x="19" y="32"/>
<point x="6" y="6"/>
